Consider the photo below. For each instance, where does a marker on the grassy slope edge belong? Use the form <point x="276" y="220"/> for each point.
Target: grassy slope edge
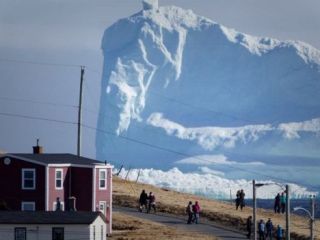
<point x="126" y="193"/>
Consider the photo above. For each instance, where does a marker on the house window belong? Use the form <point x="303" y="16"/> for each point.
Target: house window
<point x="28" y="206"/>
<point x="55" y="206"/>
<point x="57" y="233"/>
<point x="102" y="179"/>
<point x="59" y="176"/>
<point x="28" y="178"/>
<point x="20" y="233"/>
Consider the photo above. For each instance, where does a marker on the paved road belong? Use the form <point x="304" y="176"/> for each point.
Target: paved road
<point x="208" y="228"/>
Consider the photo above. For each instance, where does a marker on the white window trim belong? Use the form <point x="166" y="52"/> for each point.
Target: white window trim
<point x="105" y="179"/>
<point x="55" y="205"/>
<point x="31" y="203"/>
<point x="55" y="178"/>
<point x="34" y="178"/>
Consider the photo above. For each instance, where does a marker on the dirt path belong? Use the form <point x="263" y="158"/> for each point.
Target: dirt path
<point x="179" y="223"/>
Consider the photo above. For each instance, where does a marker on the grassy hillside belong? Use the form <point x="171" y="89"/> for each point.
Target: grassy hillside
<point x="126" y="193"/>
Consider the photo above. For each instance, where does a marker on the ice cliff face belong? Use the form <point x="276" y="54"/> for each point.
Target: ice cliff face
<point x="181" y="81"/>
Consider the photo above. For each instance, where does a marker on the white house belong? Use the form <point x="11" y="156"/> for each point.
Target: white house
<point x="56" y="225"/>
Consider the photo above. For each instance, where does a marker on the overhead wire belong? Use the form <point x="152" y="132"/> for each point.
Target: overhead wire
<point x="35" y="118"/>
<point x="37" y="102"/>
<point x="39" y="63"/>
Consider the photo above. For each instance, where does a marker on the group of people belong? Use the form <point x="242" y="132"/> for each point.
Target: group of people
<point x="265" y="229"/>
<point x="280" y="203"/>
<point x="147" y="201"/>
<point x="193" y="211"/>
<point x="240" y="202"/>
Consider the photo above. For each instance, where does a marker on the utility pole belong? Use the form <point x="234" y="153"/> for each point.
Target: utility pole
<point x="287" y="212"/>
<point x="80" y="113"/>
<point x="312" y="217"/>
<point x="254" y="210"/>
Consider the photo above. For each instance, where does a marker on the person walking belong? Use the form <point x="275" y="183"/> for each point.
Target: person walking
<point x="237" y="199"/>
<point x="279" y="233"/>
<point x="242" y="202"/>
<point x="143" y="201"/>
<point x="189" y="212"/>
<point x="261" y="230"/>
<point x="283" y="202"/>
<point x="152" y="202"/>
<point x="196" y="212"/>
<point x="249" y="226"/>
<point x="269" y="229"/>
<point x="277" y="204"/>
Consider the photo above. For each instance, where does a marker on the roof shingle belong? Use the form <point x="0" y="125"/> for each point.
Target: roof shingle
<point x="58" y="158"/>
<point x="57" y="217"/>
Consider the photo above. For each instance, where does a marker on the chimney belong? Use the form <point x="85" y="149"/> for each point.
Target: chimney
<point x="72" y="204"/>
<point x="37" y="149"/>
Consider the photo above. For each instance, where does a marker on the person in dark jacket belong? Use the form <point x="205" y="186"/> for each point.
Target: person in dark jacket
<point x="249" y="226"/>
<point x="279" y="233"/>
<point x="237" y="199"/>
<point x="269" y="229"/>
<point x="143" y="200"/>
<point x="261" y="229"/>
<point x="242" y="201"/>
<point x="283" y="202"/>
<point x="277" y="204"/>
<point x="189" y="212"/>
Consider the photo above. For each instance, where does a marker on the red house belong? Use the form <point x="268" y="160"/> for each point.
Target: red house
<point x="34" y="182"/>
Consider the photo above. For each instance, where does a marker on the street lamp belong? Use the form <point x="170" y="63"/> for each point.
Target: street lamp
<point x="311" y="215"/>
<point x="256" y="185"/>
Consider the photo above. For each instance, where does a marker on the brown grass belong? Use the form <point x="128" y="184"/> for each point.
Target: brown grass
<point x="126" y="193"/>
<point x="129" y="228"/>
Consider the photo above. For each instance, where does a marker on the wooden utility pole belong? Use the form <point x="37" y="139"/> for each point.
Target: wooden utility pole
<point x="80" y="113"/>
<point x="254" y="210"/>
<point x="287" y="212"/>
<point x="312" y="219"/>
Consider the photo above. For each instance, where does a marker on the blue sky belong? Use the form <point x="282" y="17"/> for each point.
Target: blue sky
<point x="70" y="32"/>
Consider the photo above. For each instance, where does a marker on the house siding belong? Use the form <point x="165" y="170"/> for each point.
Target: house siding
<point x="81" y="187"/>
<point x="105" y="195"/>
<point x="63" y="193"/>
<point x="11" y="184"/>
<point x="44" y="231"/>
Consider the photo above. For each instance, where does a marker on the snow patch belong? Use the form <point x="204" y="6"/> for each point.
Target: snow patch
<point x="209" y="137"/>
<point x="292" y="130"/>
<point x="208" y="160"/>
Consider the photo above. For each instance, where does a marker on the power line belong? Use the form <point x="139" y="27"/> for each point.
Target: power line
<point x="37" y="102"/>
<point x="39" y="63"/>
<point x="35" y="118"/>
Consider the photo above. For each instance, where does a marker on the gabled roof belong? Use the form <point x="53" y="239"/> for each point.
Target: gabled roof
<point x="57" y="217"/>
<point x="56" y="158"/>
